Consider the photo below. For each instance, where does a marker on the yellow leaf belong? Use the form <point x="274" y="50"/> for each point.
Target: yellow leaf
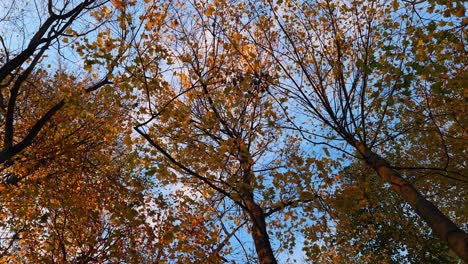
<point x="209" y="11"/>
<point x="88" y="68"/>
<point x="120" y="4"/>
<point x="100" y="42"/>
<point x="237" y="37"/>
<point x="106" y="11"/>
<point x="149" y="25"/>
<point x="420" y="42"/>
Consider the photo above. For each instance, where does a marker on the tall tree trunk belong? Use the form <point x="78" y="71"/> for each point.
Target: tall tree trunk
<point x="440" y="224"/>
<point x="259" y="231"/>
<point x="254" y="211"/>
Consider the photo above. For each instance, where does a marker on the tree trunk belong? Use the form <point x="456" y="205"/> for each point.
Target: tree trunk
<point x="440" y="224"/>
<point x="259" y="231"/>
<point x="254" y="211"/>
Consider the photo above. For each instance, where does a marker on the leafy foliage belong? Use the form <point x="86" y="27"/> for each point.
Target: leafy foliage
<point x="233" y="131"/>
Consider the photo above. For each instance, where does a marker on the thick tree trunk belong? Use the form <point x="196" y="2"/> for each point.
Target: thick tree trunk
<point x="440" y="224"/>
<point x="259" y="231"/>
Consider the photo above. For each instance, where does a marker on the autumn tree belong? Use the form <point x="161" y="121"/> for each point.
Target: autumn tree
<point x="250" y="118"/>
<point x="71" y="188"/>
<point x="371" y="75"/>
<point x="369" y="229"/>
<point x="211" y="126"/>
<point x="81" y="197"/>
<point x="53" y="30"/>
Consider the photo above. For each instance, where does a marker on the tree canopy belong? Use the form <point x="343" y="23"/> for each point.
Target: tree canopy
<point x="230" y="131"/>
